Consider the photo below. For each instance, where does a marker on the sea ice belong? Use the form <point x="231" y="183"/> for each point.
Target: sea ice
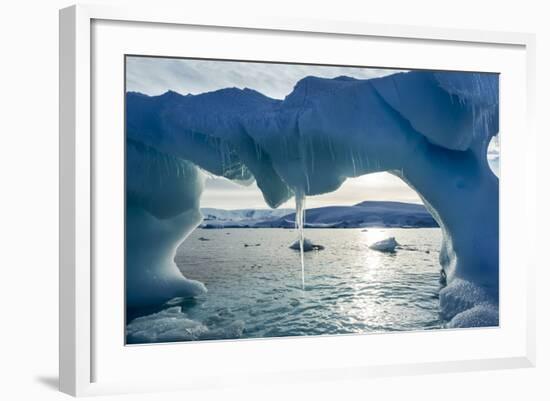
<point x="172" y="324"/>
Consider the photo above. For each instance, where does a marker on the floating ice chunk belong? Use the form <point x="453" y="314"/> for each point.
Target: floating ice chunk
<point x="308" y="246"/>
<point x="233" y="330"/>
<point x="386" y="245"/>
<point x="167" y="325"/>
<point x="172" y="324"/>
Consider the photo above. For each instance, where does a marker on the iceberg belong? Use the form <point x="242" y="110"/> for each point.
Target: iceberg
<point x="386" y="245"/>
<point x="430" y="129"/>
<point x="162" y="209"/>
<point x="307" y="246"/>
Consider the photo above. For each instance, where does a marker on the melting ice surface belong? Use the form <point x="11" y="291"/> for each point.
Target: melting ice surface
<point x="431" y="129"/>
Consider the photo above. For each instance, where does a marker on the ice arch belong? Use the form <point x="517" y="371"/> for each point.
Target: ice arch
<point x="431" y="129"/>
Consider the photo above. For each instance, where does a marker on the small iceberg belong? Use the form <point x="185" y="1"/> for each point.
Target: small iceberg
<point x="386" y="245"/>
<point x="308" y="246"/>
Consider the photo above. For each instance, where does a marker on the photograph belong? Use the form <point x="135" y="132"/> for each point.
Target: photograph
<point x="235" y="200"/>
<point x="271" y="199"/>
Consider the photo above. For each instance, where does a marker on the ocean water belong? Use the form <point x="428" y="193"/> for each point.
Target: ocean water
<point x="255" y="290"/>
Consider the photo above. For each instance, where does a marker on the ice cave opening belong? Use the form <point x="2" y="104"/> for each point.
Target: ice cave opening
<point x="374" y="201"/>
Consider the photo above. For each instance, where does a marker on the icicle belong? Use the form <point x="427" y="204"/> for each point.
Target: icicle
<point x="299" y="221"/>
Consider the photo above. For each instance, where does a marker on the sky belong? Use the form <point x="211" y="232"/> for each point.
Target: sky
<point x="154" y="76"/>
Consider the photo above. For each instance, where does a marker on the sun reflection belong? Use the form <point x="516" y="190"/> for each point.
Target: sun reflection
<point x="363" y="308"/>
<point x="372" y="235"/>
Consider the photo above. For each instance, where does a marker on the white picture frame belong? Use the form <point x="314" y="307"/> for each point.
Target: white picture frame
<point x="80" y="343"/>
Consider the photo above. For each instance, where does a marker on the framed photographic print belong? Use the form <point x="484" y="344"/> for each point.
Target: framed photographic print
<point x="272" y="199"/>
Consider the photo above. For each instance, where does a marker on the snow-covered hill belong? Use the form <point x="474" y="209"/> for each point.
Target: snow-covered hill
<point x="221" y="218"/>
<point x="364" y="214"/>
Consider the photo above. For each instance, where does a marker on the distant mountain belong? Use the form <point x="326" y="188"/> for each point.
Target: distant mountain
<point x="364" y="214"/>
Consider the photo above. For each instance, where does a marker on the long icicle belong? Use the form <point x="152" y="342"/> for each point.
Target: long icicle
<point x="299" y="222"/>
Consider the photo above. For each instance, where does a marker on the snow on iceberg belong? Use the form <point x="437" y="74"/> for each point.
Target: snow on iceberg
<point x="431" y="129"/>
<point x="482" y="315"/>
<point x="385" y="245"/>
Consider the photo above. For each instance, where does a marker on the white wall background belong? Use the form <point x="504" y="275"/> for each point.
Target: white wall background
<point x="29" y="200"/>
